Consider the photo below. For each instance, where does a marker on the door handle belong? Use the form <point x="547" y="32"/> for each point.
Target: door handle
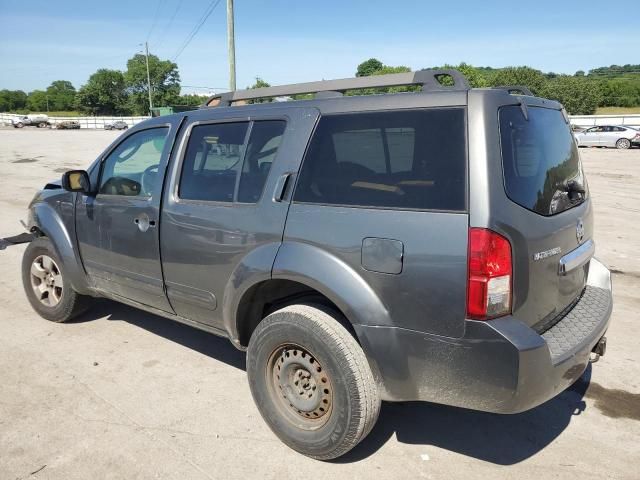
<point x="281" y="187"/>
<point x="143" y="222"/>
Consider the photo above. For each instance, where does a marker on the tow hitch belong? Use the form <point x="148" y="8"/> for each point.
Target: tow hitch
<point x="599" y="349"/>
<point x="16" y="240"/>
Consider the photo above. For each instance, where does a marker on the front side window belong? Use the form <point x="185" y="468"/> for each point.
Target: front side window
<point x="407" y="159"/>
<point x="212" y="162"/>
<point x="542" y="170"/>
<point x="131" y="169"/>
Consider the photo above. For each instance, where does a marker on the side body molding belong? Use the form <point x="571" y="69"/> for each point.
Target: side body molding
<point x="332" y="277"/>
<point x="60" y="229"/>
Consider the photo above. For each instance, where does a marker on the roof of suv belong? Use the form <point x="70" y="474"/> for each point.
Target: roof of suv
<point x="340" y="96"/>
<point x="443" y="86"/>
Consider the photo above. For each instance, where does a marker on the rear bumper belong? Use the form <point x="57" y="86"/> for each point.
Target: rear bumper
<point x="500" y="366"/>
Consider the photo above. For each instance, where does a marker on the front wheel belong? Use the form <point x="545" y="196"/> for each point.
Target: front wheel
<point x="623" y="144"/>
<point x="45" y="283"/>
<point x="311" y="381"/>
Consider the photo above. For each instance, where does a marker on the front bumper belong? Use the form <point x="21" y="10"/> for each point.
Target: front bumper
<point x="500" y="366"/>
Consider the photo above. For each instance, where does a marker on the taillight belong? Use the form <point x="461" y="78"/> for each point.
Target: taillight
<point x="489" y="275"/>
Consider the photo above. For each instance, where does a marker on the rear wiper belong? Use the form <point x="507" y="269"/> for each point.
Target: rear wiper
<point x="572" y="186"/>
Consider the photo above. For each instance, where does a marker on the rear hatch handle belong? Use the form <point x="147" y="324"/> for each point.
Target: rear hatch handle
<point x="577" y="258"/>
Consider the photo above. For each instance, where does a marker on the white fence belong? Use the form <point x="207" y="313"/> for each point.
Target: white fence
<point x="591" y="120"/>
<point x="85" y="122"/>
<point x="99" y="122"/>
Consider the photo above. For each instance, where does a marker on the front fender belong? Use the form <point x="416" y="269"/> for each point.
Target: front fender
<point x="49" y="221"/>
<point x="340" y="283"/>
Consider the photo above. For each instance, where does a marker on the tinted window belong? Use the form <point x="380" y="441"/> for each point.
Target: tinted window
<point x="212" y="162"/>
<point x="132" y="167"/>
<point x="392" y="159"/>
<point x="540" y="159"/>
<point x="263" y="145"/>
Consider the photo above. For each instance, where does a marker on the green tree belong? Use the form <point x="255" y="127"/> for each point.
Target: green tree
<point x="12" y="100"/>
<point x="260" y="83"/>
<point x="61" y="95"/>
<point x="369" y="67"/>
<point x="103" y="94"/>
<point x="523" y="76"/>
<point x="375" y="67"/>
<point x="474" y="75"/>
<point x="165" y="82"/>
<point x="191" y="100"/>
<point x="37" y="101"/>
<point x="623" y="91"/>
<point x="579" y="96"/>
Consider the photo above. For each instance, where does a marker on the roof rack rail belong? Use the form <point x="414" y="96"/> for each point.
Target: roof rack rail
<point x="429" y="80"/>
<point x="515" y="90"/>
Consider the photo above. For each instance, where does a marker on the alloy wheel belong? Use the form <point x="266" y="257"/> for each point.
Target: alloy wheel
<point x="46" y="280"/>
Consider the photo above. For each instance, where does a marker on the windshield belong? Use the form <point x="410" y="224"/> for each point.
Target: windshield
<point x="542" y="170"/>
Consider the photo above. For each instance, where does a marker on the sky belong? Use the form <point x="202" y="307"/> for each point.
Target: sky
<point x="289" y="41"/>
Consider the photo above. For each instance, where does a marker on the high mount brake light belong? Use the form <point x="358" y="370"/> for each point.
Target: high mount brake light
<point x="489" y="279"/>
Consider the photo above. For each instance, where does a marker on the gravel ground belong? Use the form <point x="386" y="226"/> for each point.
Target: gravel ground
<point x="125" y="394"/>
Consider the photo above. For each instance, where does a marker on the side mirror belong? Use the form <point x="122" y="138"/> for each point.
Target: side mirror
<point x="76" y="181"/>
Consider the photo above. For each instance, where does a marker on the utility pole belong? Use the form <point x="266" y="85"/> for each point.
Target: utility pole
<point x="146" y="47"/>
<point x="232" y="46"/>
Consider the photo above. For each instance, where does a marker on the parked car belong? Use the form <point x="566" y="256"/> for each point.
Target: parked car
<point x="608" y="136"/>
<point x="68" y="124"/>
<point x="116" y="125"/>
<point x="428" y="246"/>
<point x="33" y="120"/>
<point x="636" y="140"/>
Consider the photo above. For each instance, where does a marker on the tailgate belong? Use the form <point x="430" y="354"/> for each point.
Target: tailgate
<point x="551" y="230"/>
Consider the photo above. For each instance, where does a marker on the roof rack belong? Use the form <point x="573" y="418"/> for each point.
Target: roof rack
<point x="429" y="80"/>
<point x="515" y="90"/>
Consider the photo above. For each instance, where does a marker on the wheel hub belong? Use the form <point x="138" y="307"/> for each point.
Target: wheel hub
<point x="301" y="383"/>
<point x="46" y="280"/>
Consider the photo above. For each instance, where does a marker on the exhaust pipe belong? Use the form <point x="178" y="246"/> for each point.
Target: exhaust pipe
<point x="599" y="349"/>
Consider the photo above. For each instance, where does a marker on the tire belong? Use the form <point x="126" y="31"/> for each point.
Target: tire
<point x="42" y="125"/>
<point x="326" y="375"/>
<point x="623" y="144"/>
<point x="59" y="303"/>
<point x="19" y="125"/>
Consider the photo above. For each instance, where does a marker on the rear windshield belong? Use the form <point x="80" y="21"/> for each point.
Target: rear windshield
<point x="542" y="170"/>
<point x="408" y="159"/>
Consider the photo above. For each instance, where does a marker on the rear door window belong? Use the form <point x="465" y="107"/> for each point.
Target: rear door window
<point x="406" y="159"/>
<point x="540" y="160"/>
<point x="264" y="141"/>
<point x="212" y="162"/>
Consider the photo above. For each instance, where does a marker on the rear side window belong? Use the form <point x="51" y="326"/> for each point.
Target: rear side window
<point x="407" y="159"/>
<point x="264" y="141"/>
<point x="212" y="162"/>
<point x="540" y="160"/>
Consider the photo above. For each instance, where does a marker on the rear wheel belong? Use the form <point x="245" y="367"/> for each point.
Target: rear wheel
<point x="311" y="381"/>
<point x="46" y="286"/>
<point x="19" y="125"/>
<point x="623" y="144"/>
<point x="42" y="125"/>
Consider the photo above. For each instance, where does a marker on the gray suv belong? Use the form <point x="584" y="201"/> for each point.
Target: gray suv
<point x="433" y="245"/>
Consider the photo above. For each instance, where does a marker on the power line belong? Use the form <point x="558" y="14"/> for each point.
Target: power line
<point x="163" y="35"/>
<point x="212" y="6"/>
<point x="155" y="19"/>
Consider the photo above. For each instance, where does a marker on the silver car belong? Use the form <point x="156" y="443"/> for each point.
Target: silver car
<point x="608" y="136"/>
